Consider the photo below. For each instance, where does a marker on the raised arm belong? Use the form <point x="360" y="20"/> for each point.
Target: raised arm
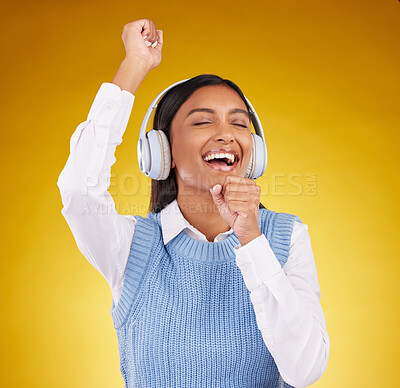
<point x="102" y="235"/>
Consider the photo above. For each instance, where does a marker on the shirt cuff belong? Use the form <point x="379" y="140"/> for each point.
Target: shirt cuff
<point x="257" y="261"/>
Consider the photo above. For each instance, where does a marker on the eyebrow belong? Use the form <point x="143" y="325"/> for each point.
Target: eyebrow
<point x="235" y="110"/>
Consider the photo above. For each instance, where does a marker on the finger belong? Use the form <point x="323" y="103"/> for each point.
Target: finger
<point x="243" y="188"/>
<point x="149" y="35"/>
<point x="146" y="41"/>
<point x="160" y="36"/>
<point x="215" y="189"/>
<point x="238" y="196"/>
<point x="217" y="196"/>
<point x="153" y="34"/>
<point x="149" y="30"/>
<point x="250" y="199"/>
<point x="146" y="28"/>
<point x="241" y="206"/>
<point x="232" y="179"/>
<point x="235" y="178"/>
<point x="159" y="42"/>
<point x="155" y="38"/>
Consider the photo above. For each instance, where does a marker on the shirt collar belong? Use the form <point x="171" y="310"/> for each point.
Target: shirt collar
<point x="173" y="222"/>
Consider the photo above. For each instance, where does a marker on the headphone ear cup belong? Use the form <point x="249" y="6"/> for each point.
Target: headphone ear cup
<point x="251" y="167"/>
<point x="166" y="155"/>
<point x="260" y="156"/>
<point x="256" y="164"/>
<point x="160" y="154"/>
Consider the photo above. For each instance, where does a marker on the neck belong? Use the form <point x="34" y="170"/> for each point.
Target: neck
<point x="199" y="209"/>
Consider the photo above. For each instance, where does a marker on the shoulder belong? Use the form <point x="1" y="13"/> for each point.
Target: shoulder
<point x="278" y="229"/>
<point x="271" y="220"/>
<point x="300" y="231"/>
<point x="145" y="227"/>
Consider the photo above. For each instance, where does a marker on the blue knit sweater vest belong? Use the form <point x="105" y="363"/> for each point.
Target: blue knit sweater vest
<point x="185" y="317"/>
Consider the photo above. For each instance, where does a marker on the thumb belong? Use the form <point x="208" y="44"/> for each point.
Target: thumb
<point x="216" y="193"/>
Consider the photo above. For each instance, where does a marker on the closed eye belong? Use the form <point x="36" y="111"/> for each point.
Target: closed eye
<point x="240" y="125"/>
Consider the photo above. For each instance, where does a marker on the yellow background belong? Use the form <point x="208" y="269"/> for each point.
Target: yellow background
<point x="323" y="77"/>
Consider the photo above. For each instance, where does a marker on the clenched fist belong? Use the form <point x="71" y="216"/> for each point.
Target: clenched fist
<point x="143" y="41"/>
<point x="238" y="201"/>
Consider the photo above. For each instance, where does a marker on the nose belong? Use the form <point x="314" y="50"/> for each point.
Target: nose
<point x="223" y="133"/>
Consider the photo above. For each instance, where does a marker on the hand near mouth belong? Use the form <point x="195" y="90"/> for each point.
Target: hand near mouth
<point x="238" y="200"/>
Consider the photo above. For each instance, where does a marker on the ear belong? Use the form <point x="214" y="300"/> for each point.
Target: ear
<point x="173" y="163"/>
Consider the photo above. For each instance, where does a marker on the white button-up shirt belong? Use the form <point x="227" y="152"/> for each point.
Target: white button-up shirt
<point x="286" y="300"/>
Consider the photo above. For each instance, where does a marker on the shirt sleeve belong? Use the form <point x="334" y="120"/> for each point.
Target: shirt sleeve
<point x="287" y="305"/>
<point x="102" y="235"/>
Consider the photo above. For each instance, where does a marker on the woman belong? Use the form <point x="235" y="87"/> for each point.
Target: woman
<point x="211" y="288"/>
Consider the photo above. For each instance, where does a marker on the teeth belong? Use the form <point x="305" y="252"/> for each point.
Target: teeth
<point x="220" y="156"/>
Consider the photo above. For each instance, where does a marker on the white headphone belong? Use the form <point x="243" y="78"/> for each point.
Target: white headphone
<point x="154" y="154"/>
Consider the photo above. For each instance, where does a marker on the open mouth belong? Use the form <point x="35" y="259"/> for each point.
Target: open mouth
<point x="221" y="162"/>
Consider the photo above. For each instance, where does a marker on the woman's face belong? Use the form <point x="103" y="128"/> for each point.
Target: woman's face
<point x="212" y="120"/>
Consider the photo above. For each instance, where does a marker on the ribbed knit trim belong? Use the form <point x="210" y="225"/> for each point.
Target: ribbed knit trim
<point x="146" y="243"/>
<point x="278" y="228"/>
<point x="203" y="251"/>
